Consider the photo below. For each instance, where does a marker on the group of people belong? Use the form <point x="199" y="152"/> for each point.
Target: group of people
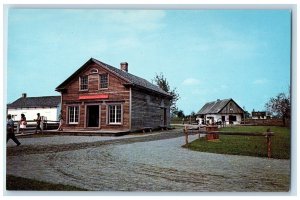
<point x="10" y="127"/>
<point x="23" y="123"/>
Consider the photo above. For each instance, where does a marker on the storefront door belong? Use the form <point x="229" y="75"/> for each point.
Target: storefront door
<point x="92" y="117"/>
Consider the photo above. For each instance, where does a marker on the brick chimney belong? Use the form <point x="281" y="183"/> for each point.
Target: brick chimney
<point x="124" y="66"/>
<point x="24" y="95"/>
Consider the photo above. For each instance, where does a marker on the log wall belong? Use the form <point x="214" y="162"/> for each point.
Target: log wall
<point x="148" y="110"/>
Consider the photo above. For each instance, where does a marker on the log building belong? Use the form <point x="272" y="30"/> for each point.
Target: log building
<point x="101" y="97"/>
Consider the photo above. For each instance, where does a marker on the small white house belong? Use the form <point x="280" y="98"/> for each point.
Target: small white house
<point x="48" y="106"/>
<point x="260" y="115"/>
<point x="225" y="111"/>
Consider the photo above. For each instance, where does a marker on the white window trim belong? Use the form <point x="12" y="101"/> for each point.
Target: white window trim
<point x="108" y="114"/>
<point x="68" y="114"/>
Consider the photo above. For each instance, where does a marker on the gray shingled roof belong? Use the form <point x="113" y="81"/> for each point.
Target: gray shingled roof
<point x="34" y="102"/>
<point x="213" y="107"/>
<point x="130" y="78"/>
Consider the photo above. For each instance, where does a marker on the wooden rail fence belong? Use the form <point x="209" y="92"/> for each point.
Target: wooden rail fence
<point x="31" y="125"/>
<point x="212" y="133"/>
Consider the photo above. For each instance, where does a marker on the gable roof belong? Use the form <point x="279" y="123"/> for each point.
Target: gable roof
<point x="34" y="102"/>
<point x="131" y="79"/>
<point x="215" y="107"/>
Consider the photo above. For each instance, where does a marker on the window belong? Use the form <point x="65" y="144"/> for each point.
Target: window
<point x="94" y="71"/>
<point x="223" y="118"/>
<point x="103" y="81"/>
<point x="232" y="118"/>
<point x="114" y="114"/>
<point x="83" y="80"/>
<point x="73" y="114"/>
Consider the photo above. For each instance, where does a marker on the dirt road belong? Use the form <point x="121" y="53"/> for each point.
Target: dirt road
<point x="151" y="163"/>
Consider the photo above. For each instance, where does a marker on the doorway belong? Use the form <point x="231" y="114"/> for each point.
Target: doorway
<point x="165" y="117"/>
<point x="92" y="116"/>
<point x="232" y="118"/>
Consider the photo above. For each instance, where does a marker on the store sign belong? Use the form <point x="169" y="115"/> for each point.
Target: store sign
<point x="96" y="96"/>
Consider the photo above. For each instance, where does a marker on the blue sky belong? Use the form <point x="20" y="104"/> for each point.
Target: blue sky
<point x="205" y="54"/>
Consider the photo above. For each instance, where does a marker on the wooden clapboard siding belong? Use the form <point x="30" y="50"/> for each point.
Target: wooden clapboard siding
<point x="143" y="104"/>
<point x="231" y="107"/>
<point x="148" y="110"/>
<point x="116" y="91"/>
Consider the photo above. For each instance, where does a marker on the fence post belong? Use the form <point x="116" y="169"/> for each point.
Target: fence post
<point x="18" y="127"/>
<point x="186" y="135"/>
<point x="269" y="143"/>
<point x="42" y="125"/>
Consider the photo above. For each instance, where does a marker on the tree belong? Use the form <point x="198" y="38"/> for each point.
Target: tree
<point x="193" y="114"/>
<point x="246" y="113"/>
<point x="280" y="106"/>
<point x="162" y="82"/>
<point x="180" y="114"/>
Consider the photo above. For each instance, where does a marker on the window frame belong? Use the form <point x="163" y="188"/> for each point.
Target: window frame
<point x="80" y="83"/>
<point x="115" y="122"/>
<point x="78" y="113"/>
<point x="107" y="81"/>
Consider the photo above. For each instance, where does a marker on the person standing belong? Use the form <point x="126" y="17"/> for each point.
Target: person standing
<point x="23" y="123"/>
<point x="61" y="121"/>
<point x="10" y="131"/>
<point x="38" y="123"/>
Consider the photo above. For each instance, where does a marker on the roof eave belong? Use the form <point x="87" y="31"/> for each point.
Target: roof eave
<point x="65" y="82"/>
<point x="148" y="89"/>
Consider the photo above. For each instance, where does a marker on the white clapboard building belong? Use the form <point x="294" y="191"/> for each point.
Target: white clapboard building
<point x="48" y="106"/>
<point x="225" y="111"/>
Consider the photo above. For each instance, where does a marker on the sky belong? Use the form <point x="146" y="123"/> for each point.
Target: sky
<point x="205" y="54"/>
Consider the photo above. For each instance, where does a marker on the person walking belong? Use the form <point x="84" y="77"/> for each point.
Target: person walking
<point x="61" y="121"/>
<point x="38" y="123"/>
<point x="10" y="131"/>
<point x="23" y="123"/>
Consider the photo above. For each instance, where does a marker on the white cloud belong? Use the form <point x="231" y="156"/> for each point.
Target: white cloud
<point x="260" y="81"/>
<point x="222" y="41"/>
<point x="224" y="86"/>
<point x="191" y="81"/>
<point x="127" y="42"/>
<point x="143" y="20"/>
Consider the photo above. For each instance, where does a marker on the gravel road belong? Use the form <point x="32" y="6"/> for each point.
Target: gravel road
<point x="144" y="163"/>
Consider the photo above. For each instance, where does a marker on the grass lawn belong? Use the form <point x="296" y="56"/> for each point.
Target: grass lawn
<point x="14" y="183"/>
<point x="247" y="145"/>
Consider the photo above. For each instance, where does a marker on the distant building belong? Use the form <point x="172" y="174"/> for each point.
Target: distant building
<point x="225" y="111"/>
<point x="47" y="106"/>
<point x="260" y="115"/>
<point x="101" y="97"/>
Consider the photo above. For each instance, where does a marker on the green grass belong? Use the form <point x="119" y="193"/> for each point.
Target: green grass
<point x="247" y="145"/>
<point x="18" y="183"/>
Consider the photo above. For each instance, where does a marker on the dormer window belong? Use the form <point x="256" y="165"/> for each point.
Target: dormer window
<point x="83" y="83"/>
<point x="103" y="81"/>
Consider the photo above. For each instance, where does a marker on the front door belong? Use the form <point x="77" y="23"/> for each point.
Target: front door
<point x="165" y="117"/>
<point x="92" y="117"/>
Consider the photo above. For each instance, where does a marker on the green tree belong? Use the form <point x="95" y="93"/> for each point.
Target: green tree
<point x="280" y="106"/>
<point x="180" y="114"/>
<point x="193" y="114"/>
<point x="162" y="82"/>
<point x="246" y="113"/>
